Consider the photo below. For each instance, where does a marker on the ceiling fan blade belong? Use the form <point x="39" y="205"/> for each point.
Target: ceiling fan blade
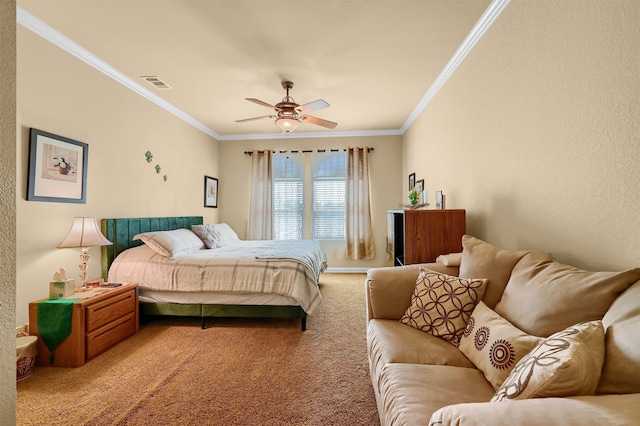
<point x="319" y="122"/>
<point x="312" y="106"/>
<point x="255" y="118"/>
<point x="259" y="102"/>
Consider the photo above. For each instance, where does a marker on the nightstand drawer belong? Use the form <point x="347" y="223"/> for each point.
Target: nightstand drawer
<point x="100" y="314"/>
<point x="106" y="337"/>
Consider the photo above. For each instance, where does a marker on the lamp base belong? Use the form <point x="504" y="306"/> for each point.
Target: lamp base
<point x="84" y="258"/>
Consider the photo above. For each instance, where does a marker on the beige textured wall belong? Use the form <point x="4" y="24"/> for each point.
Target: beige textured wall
<point x="385" y="166"/>
<point x="62" y="95"/>
<point x="537" y="134"/>
<point x="7" y="212"/>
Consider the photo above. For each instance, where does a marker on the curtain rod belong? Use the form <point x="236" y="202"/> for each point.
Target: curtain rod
<point x="305" y="150"/>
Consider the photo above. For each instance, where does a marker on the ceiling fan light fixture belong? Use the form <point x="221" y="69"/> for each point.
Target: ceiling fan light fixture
<point x="288" y="124"/>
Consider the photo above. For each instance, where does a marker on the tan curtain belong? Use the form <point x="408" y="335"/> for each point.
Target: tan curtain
<point x="261" y="206"/>
<point x="358" y="221"/>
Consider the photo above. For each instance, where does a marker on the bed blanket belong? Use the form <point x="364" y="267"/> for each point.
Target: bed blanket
<point x="243" y="267"/>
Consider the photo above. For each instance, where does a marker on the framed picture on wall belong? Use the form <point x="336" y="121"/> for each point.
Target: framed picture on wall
<point x="210" y="192"/>
<point x="412" y="181"/>
<point x="57" y="168"/>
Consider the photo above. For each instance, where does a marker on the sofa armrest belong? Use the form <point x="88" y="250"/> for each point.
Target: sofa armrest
<point x="579" y="410"/>
<point x="388" y="290"/>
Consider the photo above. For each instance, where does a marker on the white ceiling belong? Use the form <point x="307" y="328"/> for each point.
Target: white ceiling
<point x="372" y="60"/>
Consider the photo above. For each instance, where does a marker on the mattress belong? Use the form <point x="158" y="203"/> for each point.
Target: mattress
<point x="290" y="269"/>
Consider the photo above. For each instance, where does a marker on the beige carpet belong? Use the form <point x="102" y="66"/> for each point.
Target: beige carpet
<point x="236" y="372"/>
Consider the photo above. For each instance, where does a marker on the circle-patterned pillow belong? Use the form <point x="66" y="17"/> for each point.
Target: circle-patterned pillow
<point x="494" y="345"/>
<point x="442" y="304"/>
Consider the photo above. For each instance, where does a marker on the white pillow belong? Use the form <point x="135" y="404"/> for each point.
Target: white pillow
<point x="228" y="235"/>
<point x="171" y="243"/>
<point x="566" y="363"/>
<point x="494" y="345"/>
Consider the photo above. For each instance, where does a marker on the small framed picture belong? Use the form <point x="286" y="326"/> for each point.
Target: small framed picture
<point x="420" y="186"/>
<point x="412" y="181"/>
<point x="57" y="168"/>
<point x="210" y="192"/>
<point x="439" y="200"/>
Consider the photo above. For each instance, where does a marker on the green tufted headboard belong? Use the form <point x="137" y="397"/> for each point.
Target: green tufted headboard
<point x="121" y="231"/>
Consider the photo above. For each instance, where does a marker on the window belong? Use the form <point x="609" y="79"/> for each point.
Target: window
<point x="288" y="197"/>
<point x="328" y="187"/>
<point x="325" y="175"/>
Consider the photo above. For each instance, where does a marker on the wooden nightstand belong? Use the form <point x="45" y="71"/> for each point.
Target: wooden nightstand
<point x="98" y="322"/>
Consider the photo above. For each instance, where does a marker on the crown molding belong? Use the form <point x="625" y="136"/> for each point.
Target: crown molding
<point x="295" y="135"/>
<point x="489" y="16"/>
<point x="484" y="23"/>
<point x="32" y="23"/>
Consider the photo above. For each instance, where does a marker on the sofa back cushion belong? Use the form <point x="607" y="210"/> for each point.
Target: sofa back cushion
<point x="621" y="370"/>
<point x="544" y="297"/>
<point x="483" y="260"/>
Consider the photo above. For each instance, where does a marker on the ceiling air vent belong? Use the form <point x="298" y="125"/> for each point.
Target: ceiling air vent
<point x="155" y="82"/>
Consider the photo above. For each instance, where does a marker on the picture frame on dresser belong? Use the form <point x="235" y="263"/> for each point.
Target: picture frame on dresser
<point x="57" y="168"/>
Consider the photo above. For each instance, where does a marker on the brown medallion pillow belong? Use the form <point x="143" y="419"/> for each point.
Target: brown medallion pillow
<point x="442" y="304"/>
<point x="483" y="260"/>
<point x="494" y="345"/>
<point x="557" y="296"/>
<point x="566" y="363"/>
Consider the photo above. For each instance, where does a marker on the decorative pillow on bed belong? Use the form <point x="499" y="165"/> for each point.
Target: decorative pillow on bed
<point x="442" y="304"/>
<point x="171" y="243"/>
<point x="494" y="345"/>
<point x="566" y="363"/>
<point x="209" y="235"/>
<point x="228" y="235"/>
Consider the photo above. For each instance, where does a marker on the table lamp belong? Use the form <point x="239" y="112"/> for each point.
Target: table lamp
<point x="84" y="233"/>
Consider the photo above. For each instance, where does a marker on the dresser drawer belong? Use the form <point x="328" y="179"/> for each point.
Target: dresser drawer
<point x="109" y="335"/>
<point x="102" y="313"/>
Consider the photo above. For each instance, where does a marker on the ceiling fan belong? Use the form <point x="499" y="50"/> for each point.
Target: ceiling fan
<point x="289" y="115"/>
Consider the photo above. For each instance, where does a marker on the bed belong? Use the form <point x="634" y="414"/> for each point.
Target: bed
<point x="260" y="279"/>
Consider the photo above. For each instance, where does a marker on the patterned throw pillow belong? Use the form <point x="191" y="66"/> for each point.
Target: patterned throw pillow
<point x="493" y="345"/>
<point x="209" y="234"/>
<point x="442" y="304"/>
<point x="566" y="363"/>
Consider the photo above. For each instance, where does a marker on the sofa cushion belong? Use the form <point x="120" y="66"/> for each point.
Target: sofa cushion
<point x="389" y="341"/>
<point x="564" y="364"/>
<point x="573" y="410"/>
<point x="621" y="370"/>
<point x="442" y="304"/>
<point x="494" y="345"/>
<point x="410" y="393"/>
<point x="557" y="296"/>
<point x="483" y="260"/>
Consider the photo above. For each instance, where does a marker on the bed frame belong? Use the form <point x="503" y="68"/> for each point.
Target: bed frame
<point x="121" y="231"/>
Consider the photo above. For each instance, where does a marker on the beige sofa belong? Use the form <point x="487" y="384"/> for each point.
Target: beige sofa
<point x="421" y="379"/>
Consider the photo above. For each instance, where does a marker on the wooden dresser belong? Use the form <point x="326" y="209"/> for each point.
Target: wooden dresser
<point x="98" y="323"/>
<point x="420" y="236"/>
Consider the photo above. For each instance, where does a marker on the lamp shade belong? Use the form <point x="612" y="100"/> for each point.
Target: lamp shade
<point x="84" y="233"/>
<point x="288" y="124"/>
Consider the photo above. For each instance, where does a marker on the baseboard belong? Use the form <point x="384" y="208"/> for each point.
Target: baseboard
<point x="347" y="270"/>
